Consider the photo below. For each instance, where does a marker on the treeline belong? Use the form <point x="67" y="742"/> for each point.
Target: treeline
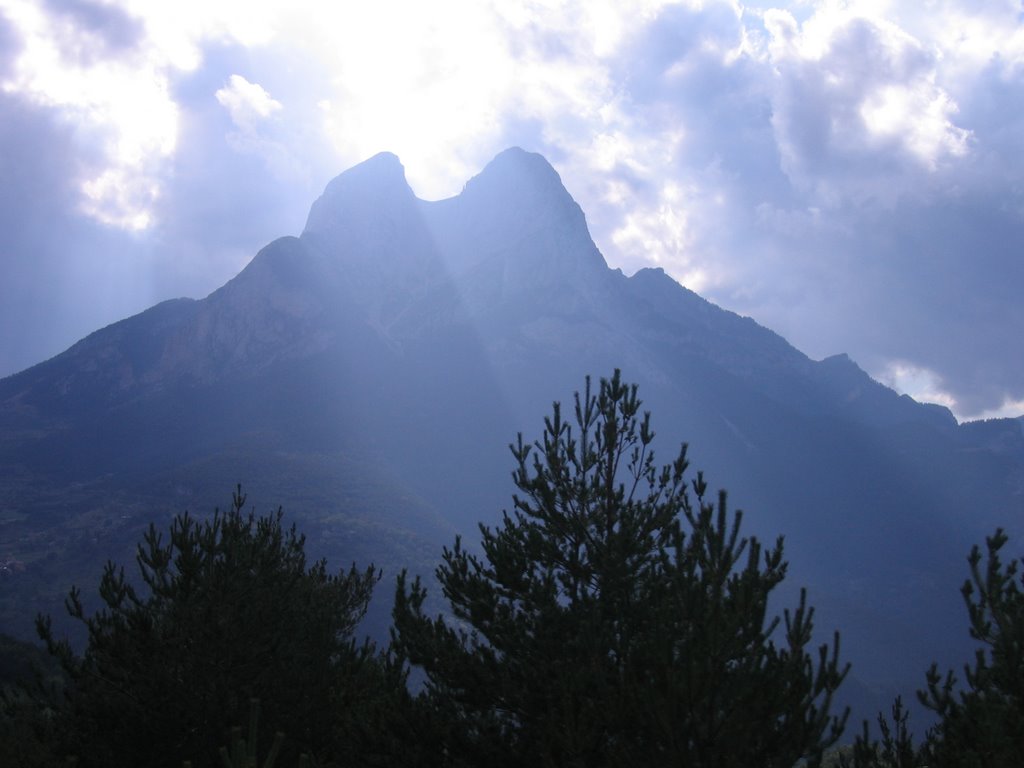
<point x="615" y="617"/>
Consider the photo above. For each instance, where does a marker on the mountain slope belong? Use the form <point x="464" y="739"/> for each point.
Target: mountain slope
<point x="369" y="374"/>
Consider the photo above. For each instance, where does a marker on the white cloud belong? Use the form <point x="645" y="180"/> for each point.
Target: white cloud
<point x="120" y="101"/>
<point x="918" y="117"/>
<point x="660" y="233"/>
<point x="1010" y="409"/>
<point x="177" y="32"/>
<point x="858" y="97"/>
<point x="120" y="98"/>
<point x="971" y="36"/>
<point x="920" y="383"/>
<point x="247" y="103"/>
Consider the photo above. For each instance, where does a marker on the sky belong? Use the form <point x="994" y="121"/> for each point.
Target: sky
<point x="849" y="174"/>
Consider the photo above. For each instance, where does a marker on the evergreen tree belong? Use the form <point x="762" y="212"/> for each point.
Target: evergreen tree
<point x="983" y="725"/>
<point x="614" y="620"/>
<point x="227" y="610"/>
<point x="896" y="749"/>
<point x="26" y="722"/>
<point x="980" y="725"/>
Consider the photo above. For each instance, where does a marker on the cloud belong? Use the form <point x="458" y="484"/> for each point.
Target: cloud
<point x="923" y="385"/>
<point x="923" y="195"/>
<point x="85" y="65"/>
<point x="92" y="29"/>
<point x="64" y="274"/>
<point x="53" y="288"/>
<point x="247" y="103"/>
<point x="109" y="69"/>
<point x="856" y="110"/>
<point x="10" y="45"/>
<point x="691" y="142"/>
<point x="1010" y="409"/>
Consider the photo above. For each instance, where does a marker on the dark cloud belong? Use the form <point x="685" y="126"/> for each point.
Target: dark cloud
<point x="929" y="262"/>
<point x="686" y="74"/>
<point x="946" y="296"/>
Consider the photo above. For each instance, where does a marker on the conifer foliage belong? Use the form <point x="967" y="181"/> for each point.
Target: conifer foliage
<point x="983" y="724"/>
<point x="980" y="716"/>
<point x="614" y="619"/>
<point x="227" y="610"/>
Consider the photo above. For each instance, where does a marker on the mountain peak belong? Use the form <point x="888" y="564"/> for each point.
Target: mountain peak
<point x="520" y="195"/>
<point x="383" y="169"/>
<point x="376" y="184"/>
<point x="524" y="162"/>
<point x="515" y="176"/>
<point x="517" y="213"/>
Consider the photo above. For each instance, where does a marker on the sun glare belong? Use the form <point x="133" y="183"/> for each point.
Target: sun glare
<point x="408" y="79"/>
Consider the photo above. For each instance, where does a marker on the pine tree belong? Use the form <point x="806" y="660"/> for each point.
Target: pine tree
<point x="227" y="610"/>
<point x="983" y="724"/>
<point x="980" y="725"/>
<point x="895" y="750"/>
<point x="614" y="620"/>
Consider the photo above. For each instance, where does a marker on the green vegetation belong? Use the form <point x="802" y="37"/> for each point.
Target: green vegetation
<point x="615" y="617"/>
<point x="26" y="732"/>
<point x="614" y="621"/>
<point x="243" y="754"/>
<point x="227" y="610"/>
<point x="980" y="725"/>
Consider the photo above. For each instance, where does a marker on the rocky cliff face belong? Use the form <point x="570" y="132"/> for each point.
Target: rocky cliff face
<point x="369" y="374"/>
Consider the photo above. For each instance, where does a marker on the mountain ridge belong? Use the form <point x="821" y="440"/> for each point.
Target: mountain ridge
<point x="383" y="177"/>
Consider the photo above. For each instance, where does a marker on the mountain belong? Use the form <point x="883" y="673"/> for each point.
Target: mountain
<point x="369" y="375"/>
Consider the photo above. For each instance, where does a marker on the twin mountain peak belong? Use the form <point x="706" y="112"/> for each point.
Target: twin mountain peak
<point x="514" y="228"/>
<point x="509" y="261"/>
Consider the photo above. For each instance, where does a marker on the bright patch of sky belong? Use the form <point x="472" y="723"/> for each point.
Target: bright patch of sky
<point x="920" y="383"/>
<point x="847" y="173"/>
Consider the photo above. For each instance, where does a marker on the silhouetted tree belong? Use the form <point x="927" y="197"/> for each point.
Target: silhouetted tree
<point x="896" y="748"/>
<point x="28" y="678"/>
<point x="980" y="725"/>
<point x="227" y="610"/>
<point x="613" y="620"/>
<point x="983" y="724"/>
